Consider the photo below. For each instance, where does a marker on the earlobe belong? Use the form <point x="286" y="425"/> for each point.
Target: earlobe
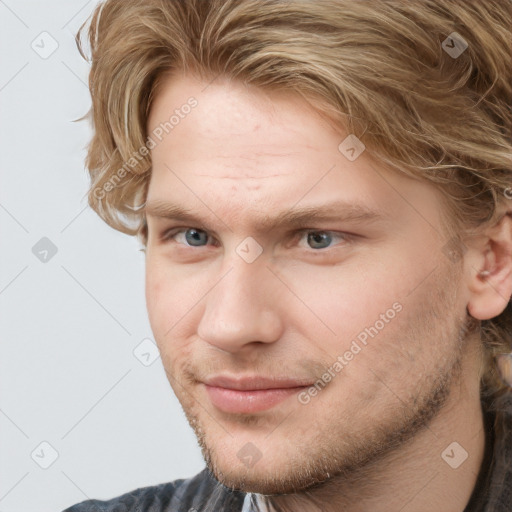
<point x="490" y="285"/>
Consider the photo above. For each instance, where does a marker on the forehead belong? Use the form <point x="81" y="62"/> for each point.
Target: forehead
<point x="242" y="149"/>
<point x="260" y="126"/>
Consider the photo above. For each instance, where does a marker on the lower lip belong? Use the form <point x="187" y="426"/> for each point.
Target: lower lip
<point x="255" y="400"/>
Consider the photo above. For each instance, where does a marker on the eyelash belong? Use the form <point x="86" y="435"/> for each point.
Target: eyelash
<point x="170" y="234"/>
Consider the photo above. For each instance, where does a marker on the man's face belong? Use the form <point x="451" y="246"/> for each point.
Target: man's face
<point x="363" y="302"/>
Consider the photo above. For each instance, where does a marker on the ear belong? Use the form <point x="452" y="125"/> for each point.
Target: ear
<point x="490" y="270"/>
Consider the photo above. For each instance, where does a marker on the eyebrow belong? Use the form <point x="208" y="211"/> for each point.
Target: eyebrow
<point x="293" y="218"/>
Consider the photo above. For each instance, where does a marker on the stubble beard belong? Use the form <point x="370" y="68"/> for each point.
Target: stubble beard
<point x="328" y="468"/>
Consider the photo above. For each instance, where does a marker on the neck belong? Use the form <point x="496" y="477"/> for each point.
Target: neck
<point x="418" y="476"/>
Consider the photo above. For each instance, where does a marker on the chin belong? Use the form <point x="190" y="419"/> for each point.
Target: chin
<point x="265" y="477"/>
<point x="261" y="483"/>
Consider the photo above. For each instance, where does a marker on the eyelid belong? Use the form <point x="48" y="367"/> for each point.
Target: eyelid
<point x="295" y="235"/>
<point x="168" y="234"/>
<point x="346" y="237"/>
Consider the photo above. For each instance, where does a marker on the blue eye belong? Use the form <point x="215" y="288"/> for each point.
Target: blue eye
<point x="317" y="238"/>
<point x="195" y="236"/>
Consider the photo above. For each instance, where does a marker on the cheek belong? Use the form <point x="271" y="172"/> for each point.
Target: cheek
<point x="154" y="294"/>
<point x="165" y="309"/>
<point x="174" y="301"/>
<point x="366" y="314"/>
<point x="164" y="298"/>
<point x="344" y="300"/>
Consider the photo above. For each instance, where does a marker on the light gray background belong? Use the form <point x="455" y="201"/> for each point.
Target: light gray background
<point x="68" y="373"/>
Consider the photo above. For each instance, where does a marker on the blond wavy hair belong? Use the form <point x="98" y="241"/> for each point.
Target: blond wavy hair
<point x="391" y="72"/>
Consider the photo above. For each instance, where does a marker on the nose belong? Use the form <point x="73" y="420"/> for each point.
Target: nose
<point x="243" y="308"/>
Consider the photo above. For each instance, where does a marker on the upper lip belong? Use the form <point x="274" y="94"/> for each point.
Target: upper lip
<point x="255" y="382"/>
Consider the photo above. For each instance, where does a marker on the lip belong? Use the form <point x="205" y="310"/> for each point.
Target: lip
<point x="250" y="394"/>
<point x="255" y="382"/>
